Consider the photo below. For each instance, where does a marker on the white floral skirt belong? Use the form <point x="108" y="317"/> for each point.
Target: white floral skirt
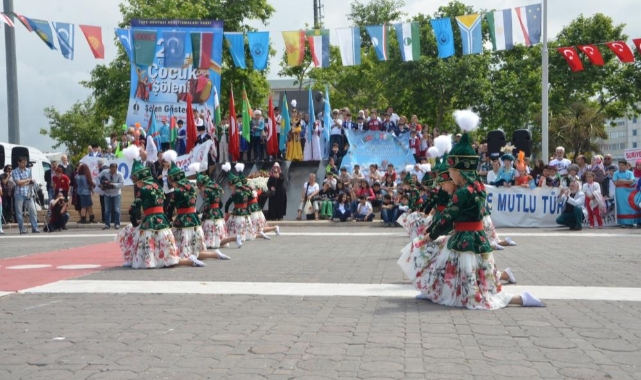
<point x="415" y="223"/>
<point x="215" y="231"/>
<point x="463" y="279"/>
<point x="416" y="257"/>
<point x="241" y="225"/>
<point x="490" y="231"/>
<point x="127" y="239"/>
<point x="155" y="249"/>
<point x="189" y="241"/>
<point x="258" y="221"/>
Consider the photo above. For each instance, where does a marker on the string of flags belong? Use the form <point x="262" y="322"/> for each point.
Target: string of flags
<point x="592" y="52"/>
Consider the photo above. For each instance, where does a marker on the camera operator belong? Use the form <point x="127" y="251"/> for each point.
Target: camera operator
<point x="58" y="213"/>
<point x="111" y="181"/>
<point x="24" y="195"/>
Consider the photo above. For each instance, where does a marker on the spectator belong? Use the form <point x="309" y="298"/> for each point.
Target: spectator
<point x="554" y="178"/>
<point x="389" y="186"/>
<point x="572" y="215"/>
<point x="485" y="166"/>
<point x="8" y="186"/>
<point x="23" y="195"/>
<point x="623" y="178"/>
<point x="277" y="193"/>
<point x="378" y="194"/>
<point x="325" y="201"/>
<point x="344" y="176"/>
<point x="145" y="162"/>
<point x="331" y="167"/>
<point x="492" y="175"/>
<point x="419" y="172"/>
<point x="58" y="215"/>
<point x="374" y="124"/>
<point x="538" y="170"/>
<point x="348" y="123"/>
<point x="572" y="176"/>
<point x="559" y="162"/>
<point x="1" y="212"/>
<point x="335" y="155"/>
<point x="61" y="183"/>
<point x="336" y="131"/>
<point x="85" y="190"/>
<point x="108" y="154"/>
<point x="593" y="199"/>
<point x="356" y="174"/>
<point x="361" y="188"/>
<point x="94" y="151"/>
<point x="310" y="190"/>
<point x="364" y="210"/>
<point x="360" y="124"/>
<point x="164" y="133"/>
<point x="48" y="176"/>
<point x="414" y="124"/>
<point x="341" y="210"/>
<point x="608" y="189"/>
<point x="331" y="180"/>
<point x="374" y="174"/>
<point x="401" y="126"/>
<point x="111" y="183"/>
<point x="98" y="190"/>
<point x="181" y="138"/>
<point x="507" y="174"/>
<point x="637" y="170"/>
<point x="607" y="161"/>
<point x="582" y="164"/>
<point x="388" y="125"/>
<point x="597" y="168"/>
<point x="389" y="211"/>
<point x="390" y="173"/>
<point x="68" y="169"/>
<point x="394" y="118"/>
<point x="342" y="188"/>
<point x="415" y="145"/>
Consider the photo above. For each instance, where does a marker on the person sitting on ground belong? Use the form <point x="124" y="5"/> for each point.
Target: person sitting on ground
<point x="310" y="190"/>
<point x="378" y="194"/>
<point x="325" y="201"/>
<point x="389" y="211"/>
<point x="374" y="174"/>
<point x="572" y="215"/>
<point x="357" y="176"/>
<point x="331" y="180"/>
<point x="331" y="167"/>
<point x="364" y="211"/>
<point x="59" y="216"/>
<point x="344" y="176"/>
<point x="342" y="212"/>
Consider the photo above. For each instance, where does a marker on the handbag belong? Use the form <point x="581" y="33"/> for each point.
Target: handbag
<point x="308" y="209"/>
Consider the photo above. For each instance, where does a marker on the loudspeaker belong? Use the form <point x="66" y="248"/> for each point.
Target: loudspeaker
<point x="522" y="140"/>
<point x="495" y="141"/>
<point x="17" y="152"/>
<point x="1" y="156"/>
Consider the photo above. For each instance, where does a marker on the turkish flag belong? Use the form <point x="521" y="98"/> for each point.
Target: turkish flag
<point x="637" y="43"/>
<point x="272" y="134"/>
<point x="93" y="34"/>
<point x="234" y="142"/>
<point x="593" y="54"/>
<point x="192" y="135"/>
<point x="572" y="58"/>
<point x="622" y="50"/>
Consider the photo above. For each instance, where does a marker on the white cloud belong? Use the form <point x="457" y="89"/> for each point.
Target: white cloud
<point x="45" y="78"/>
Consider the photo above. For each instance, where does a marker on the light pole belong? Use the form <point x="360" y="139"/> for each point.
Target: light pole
<point x="545" y="122"/>
<point x="13" y="117"/>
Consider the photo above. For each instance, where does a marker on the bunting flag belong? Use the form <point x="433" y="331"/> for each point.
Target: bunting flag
<point x="312" y="116"/>
<point x="530" y="22"/>
<point x="501" y="34"/>
<point x="153" y="131"/>
<point x="234" y="141"/>
<point x="637" y="43"/>
<point x="285" y="123"/>
<point x="192" y="134"/>
<point x="272" y="132"/>
<point x="259" y="48"/>
<point x="378" y="36"/>
<point x="124" y="36"/>
<point x="202" y="44"/>
<point x="93" y="34"/>
<point x="294" y="47"/>
<point x="349" y="44"/>
<point x="43" y="30"/>
<point x="24" y="20"/>
<point x="444" y="36"/>
<point x="472" y="39"/>
<point x="236" y="43"/>
<point x="327" y="121"/>
<point x="7" y="20"/>
<point x="319" y="45"/>
<point x="66" y="38"/>
<point x="408" y="39"/>
<point x="593" y="53"/>
<point x="173" y="130"/>
<point x="144" y="47"/>
<point x="622" y="50"/>
<point x="572" y="58"/>
<point x="174" y="44"/>
<point x="217" y="118"/>
<point x="247" y="116"/>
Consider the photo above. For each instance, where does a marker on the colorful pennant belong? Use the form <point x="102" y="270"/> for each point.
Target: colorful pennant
<point x="93" y="34"/>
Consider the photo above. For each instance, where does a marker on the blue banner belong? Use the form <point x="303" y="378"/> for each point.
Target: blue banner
<point x="378" y="35"/>
<point x="444" y="36"/>
<point x="376" y="147"/>
<point x="163" y="89"/>
<point x="43" y="30"/>
<point x="174" y="45"/>
<point x="259" y="48"/>
<point x="236" y="42"/>
<point x="124" y="36"/>
<point x="65" y="33"/>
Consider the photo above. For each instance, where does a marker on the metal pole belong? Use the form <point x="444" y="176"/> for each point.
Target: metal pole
<point x="545" y="154"/>
<point x="12" y="76"/>
<point x="316" y="14"/>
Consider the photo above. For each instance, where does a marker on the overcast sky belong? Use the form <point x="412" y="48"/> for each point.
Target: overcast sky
<point x="45" y="78"/>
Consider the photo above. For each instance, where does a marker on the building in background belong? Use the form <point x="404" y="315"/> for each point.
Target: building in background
<point x="623" y="134"/>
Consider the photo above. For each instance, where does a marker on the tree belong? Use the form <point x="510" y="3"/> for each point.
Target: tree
<point x="76" y="129"/>
<point x="576" y="127"/>
<point x="375" y="12"/>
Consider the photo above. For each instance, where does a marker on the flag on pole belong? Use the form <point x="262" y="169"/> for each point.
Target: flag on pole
<point x="152" y="129"/>
<point x="500" y="23"/>
<point x="272" y="134"/>
<point x="247" y="116"/>
<point x="209" y="123"/>
<point x="572" y="58"/>
<point x="124" y="36"/>
<point x="174" y="44"/>
<point x="319" y="45"/>
<point x="408" y="34"/>
<point x="259" y="48"/>
<point x="7" y="20"/>
<point x="236" y="43"/>
<point x="285" y="123"/>
<point x="43" y="30"/>
<point x="144" y="47"/>
<point x="327" y="120"/>
<point x="593" y="53"/>
<point x="444" y="36"/>
<point x="378" y="35"/>
<point x="234" y="135"/>
<point x="217" y="117"/>
<point x="294" y="47"/>
<point x="24" y="20"/>
<point x="93" y="34"/>
<point x="470" y="27"/>
<point x="637" y="43"/>
<point x="202" y="44"/>
<point x="191" y="125"/>
<point x="622" y="51"/>
<point x="530" y="22"/>
<point x="173" y="130"/>
<point x="312" y="115"/>
<point x="65" y="33"/>
<point x="349" y="44"/>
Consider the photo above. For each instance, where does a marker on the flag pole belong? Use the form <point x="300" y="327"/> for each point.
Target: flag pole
<point x="545" y="149"/>
<point x="13" y="115"/>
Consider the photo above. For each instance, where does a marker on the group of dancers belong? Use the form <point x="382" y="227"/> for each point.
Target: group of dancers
<point x="150" y="242"/>
<point x="449" y="258"/>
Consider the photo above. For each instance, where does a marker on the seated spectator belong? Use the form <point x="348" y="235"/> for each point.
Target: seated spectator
<point x="507" y="174"/>
<point x="58" y="215"/>
<point x="374" y="174"/>
<point x="403" y="203"/>
<point x="378" y="194"/>
<point x="331" y="167"/>
<point x="310" y="190"/>
<point x="572" y="215"/>
<point x="360" y="188"/>
<point x="573" y="175"/>
<point x="389" y="186"/>
<point x="390" y="173"/>
<point x="341" y="209"/>
<point x="331" y="180"/>
<point x="357" y="176"/>
<point x="389" y="211"/>
<point x="325" y="201"/>
<point x="344" y="176"/>
<point x="342" y="188"/>
<point x="364" y="211"/>
<point x="493" y="174"/>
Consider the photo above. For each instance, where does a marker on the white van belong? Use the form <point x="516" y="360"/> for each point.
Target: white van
<point x="39" y="163"/>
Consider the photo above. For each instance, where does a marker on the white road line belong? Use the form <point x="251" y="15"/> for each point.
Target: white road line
<point x="2" y="294"/>
<point x="320" y="290"/>
<point x="56" y="236"/>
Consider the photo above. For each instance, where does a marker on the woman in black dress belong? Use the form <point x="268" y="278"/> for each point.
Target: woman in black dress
<point x="277" y="193"/>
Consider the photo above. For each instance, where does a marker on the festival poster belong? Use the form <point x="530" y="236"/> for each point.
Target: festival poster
<point x="376" y="147"/>
<point x="164" y="89"/>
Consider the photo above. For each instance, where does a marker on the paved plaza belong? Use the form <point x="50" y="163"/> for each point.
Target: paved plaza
<point x="319" y="302"/>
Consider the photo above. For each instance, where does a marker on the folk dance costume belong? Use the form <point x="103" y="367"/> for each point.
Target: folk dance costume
<point x="239" y="223"/>
<point x="188" y="233"/>
<point x="412" y="214"/>
<point x="126" y="237"/>
<point x="213" y="220"/>
<point x="463" y="273"/>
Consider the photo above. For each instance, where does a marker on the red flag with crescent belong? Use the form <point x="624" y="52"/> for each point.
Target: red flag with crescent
<point x="593" y="54"/>
<point x="637" y="43"/>
<point x="572" y="58"/>
<point x="622" y="50"/>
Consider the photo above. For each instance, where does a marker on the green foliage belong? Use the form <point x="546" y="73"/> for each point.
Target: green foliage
<point x="576" y="127"/>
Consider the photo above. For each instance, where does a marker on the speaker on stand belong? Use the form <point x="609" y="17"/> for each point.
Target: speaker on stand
<point x="522" y="141"/>
<point x="495" y="141"/>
